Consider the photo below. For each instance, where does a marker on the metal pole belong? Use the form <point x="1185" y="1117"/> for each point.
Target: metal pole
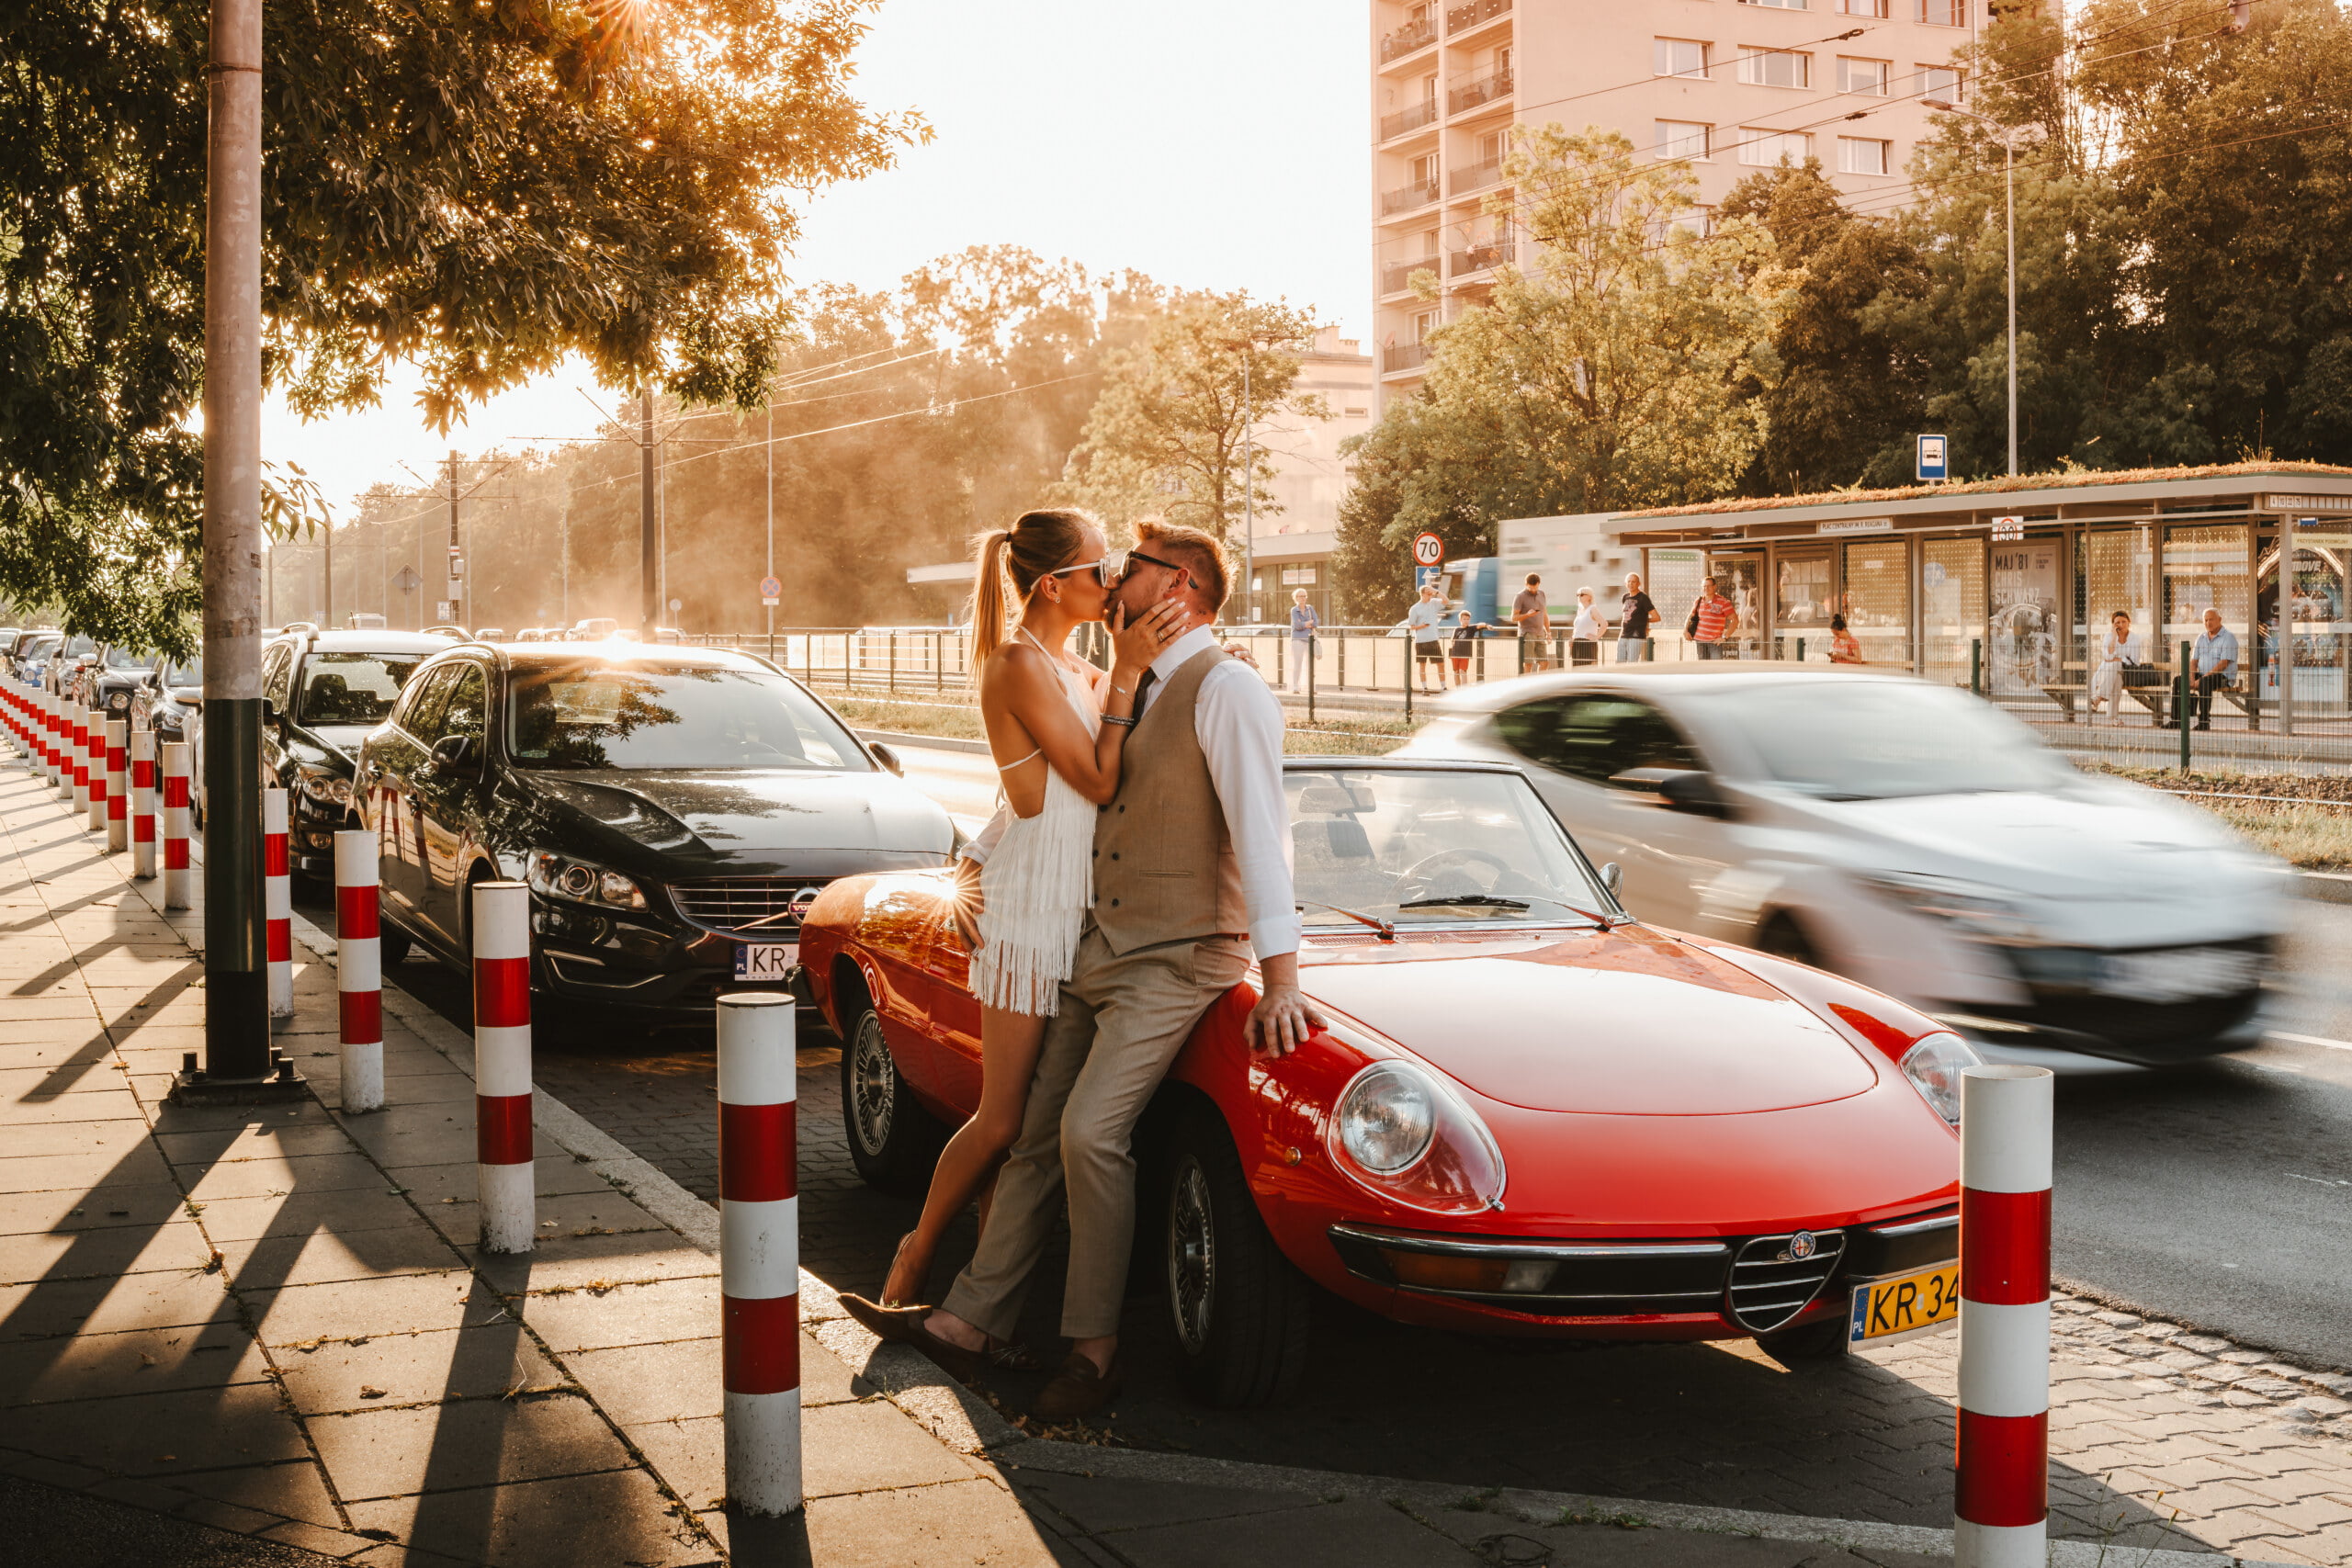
<point x="2009" y="150"/>
<point x="326" y="612"/>
<point x="649" y="564"/>
<point x="1976" y="665"/>
<point x="236" y="1013"/>
<point x="1248" y="489"/>
<point x="2181" y="704"/>
<point x="771" y="556"/>
<point x="456" y="586"/>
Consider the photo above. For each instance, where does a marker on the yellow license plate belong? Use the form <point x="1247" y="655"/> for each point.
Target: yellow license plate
<point x="1889" y="1310"/>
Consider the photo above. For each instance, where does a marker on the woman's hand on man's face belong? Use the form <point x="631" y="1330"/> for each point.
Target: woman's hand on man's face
<point x="1136" y="642"/>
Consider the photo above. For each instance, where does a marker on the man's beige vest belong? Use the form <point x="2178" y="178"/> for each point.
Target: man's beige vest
<point x="1163" y="860"/>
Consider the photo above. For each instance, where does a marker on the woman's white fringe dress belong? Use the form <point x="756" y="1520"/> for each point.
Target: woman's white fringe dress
<point x="1037" y="884"/>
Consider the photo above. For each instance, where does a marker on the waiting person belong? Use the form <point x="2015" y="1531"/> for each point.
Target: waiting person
<point x="1844" y="646"/>
<point x="1712" y="618"/>
<point x="1531" y="613"/>
<point x="1583" y="636"/>
<point x="1635" y="615"/>
<point x="1466" y="631"/>
<point x="1423" y="623"/>
<point x="2214" y="663"/>
<point x="1304" y="624"/>
<point x="2119" y="647"/>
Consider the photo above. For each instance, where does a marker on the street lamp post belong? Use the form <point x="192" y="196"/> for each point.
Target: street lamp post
<point x="2009" y="174"/>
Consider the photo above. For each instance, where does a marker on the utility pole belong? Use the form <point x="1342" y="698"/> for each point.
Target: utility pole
<point x="457" y="561"/>
<point x="770" y="572"/>
<point x="239" y="1063"/>
<point x="326" y="616"/>
<point x="648" y="537"/>
<point x="1248" y="489"/>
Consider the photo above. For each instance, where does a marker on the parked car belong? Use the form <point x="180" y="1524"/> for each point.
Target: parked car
<point x="444" y="630"/>
<point x="113" y="679"/>
<point x="62" y="670"/>
<point x="365" y="621"/>
<point x="1531" y="1115"/>
<point x="324" y="692"/>
<point x="674" y="812"/>
<point x="31" y="654"/>
<point x="593" y="628"/>
<point x="1910" y="835"/>
<point x="490" y="634"/>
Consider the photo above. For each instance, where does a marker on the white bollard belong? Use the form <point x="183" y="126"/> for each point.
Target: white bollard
<point x="359" y="970"/>
<point x="759" y="1251"/>
<point x="502" y="918"/>
<point x="179" y="879"/>
<point x="94" y="760"/>
<point x="2001" y="1475"/>
<point x="60" y="746"/>
<point x="118" y="732"/>
<point x="77" y="755"/>
<point x="143" y="804"/>
<point x="277" y="907"/>
<point x="45" y="713"/>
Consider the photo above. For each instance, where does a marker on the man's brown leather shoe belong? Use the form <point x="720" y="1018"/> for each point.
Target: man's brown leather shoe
<point x="903" y="1326"/>
<point x="1077" y="1391"/>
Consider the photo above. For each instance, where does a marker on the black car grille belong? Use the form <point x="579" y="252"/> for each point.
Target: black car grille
<point x="766" y="907"/>
<point x="1770" y="1283"/>
<point x="2152" y="1033"/>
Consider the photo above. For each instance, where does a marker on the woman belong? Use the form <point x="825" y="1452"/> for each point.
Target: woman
<point x="2118" y="647"/>
<point x="1055" y="727"/>
<point x="1584" y="644"/>
<point x="1845" y="647"/>
<point x="1304" y="624"/>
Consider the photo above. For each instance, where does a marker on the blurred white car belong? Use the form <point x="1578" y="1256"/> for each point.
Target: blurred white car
<point x="1907" y="835"/>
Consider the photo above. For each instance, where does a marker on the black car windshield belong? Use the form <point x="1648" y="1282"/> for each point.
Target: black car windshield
<point x="184" y="672"/>
<point x="1432" y="845"/>
<point x="353" y="688"/>
<point x="595" y="715"/>
<point x="1875" y="739"/>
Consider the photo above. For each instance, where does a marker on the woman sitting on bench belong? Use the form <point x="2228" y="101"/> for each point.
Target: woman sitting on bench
<point x="2119" y="647"/>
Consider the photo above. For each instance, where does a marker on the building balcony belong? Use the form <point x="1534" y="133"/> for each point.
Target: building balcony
<point x="1478" y="176"/>
<point x="1392" y="126"/>
<point x="1479" y="92"/>
<point x="1397" y="278"/>
<point x="1406" y="39"/>
<point x="1479" y="258"/>
<point x="1404" y="199"/>
<point x="1399" y="356"/>
<point x="1461" y="18"/>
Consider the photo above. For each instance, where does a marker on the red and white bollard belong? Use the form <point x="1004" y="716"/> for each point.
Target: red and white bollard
<point x="502" y="1065"/>
<point x="61" y="761"/>
<point x="2001" y="1496"/>
<point x="143" y="804"/>
<point x="759" y="1250"/>
<point x="359" y="970"/>
<point x="179" y="878"/>
<point x="93" y="744"/>
<point x="77" y="755"/>
<point x="278" y="908"/>
<point x="44" y="734"/>
<point x="118" y="732"/>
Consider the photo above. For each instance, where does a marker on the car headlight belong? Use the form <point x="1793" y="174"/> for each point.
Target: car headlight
<point x="1398" y="1132"/>
<point x="562" y="877"/>
<point x="327" y="789"/>
<point x="1934" y="1064"/>
<point x="1981" y="912"/>
<point x="118" y="701"/>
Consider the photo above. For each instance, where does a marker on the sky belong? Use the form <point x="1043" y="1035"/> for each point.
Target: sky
<point x="1220" y="144"/>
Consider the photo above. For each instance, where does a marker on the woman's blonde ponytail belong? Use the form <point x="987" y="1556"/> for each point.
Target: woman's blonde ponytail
<point x="1013" y="558"/>
<point x="989" y="618"/>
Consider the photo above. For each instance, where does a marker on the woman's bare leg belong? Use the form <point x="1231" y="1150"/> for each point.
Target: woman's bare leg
<point x="1009" y="1045"/>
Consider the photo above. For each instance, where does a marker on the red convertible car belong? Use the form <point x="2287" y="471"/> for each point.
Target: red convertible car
<point x="1530" y="1114"/>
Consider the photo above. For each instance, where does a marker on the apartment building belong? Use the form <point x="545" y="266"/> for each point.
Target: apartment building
<point x="1726" y="87"/>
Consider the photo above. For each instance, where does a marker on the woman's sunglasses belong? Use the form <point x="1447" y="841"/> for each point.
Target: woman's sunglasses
<point x="1112" y="568"/>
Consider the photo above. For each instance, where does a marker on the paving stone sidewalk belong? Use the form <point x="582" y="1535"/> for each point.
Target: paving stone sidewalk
<point x="275" y="1322"/>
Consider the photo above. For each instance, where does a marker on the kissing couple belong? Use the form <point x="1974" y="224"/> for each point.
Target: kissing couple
<point x="1141" y="854"/>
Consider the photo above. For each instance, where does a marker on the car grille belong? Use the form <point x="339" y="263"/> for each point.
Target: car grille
<point x="1769" y="1285"/>
<point x="2127" y="1028"/>
<point x="766" y="907"/>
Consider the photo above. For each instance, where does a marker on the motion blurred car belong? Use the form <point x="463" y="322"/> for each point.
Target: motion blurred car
<point x="323" y="692"/>
<point x="1531" y="1115"/>
<point x="1908" y="835"/>
<point x="674" y="812"/>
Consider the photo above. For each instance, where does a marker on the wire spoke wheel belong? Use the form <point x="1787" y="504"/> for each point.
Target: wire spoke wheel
<point x="1192" y="1255"/>
<point x="873" y="1086"/>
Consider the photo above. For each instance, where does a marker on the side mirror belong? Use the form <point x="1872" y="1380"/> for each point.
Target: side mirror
<point x="1611" y="877"/>
<point x="886" y="757"/>
<point x="452" y="750"/>
<point x="1685" y="790"/>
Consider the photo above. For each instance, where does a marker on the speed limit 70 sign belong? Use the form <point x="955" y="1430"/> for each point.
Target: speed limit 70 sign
<point x="1428" y="550"/>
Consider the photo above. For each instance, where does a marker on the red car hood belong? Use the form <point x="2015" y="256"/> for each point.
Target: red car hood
<point x="1629" y="1023"/>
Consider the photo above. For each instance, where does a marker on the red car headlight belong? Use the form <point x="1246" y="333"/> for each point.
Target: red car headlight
<point x="1398" y="1132"/>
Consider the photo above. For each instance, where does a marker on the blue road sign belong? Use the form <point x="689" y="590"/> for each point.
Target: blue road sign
<point x="1935" y="458"/>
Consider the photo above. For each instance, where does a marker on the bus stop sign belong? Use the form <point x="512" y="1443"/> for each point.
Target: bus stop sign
<point x="1935" y="458"/>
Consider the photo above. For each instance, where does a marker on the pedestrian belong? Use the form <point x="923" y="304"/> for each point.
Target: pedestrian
<point x="2119" y="649"/>
<point x="1531" y="612"/>
<point x="1466" y="631"/>
<point x="1635" y="615"/>
<point x="1304" y="624"/>
<point x="2213" y="661"/>
<point x="1844" y="646"/>
<point x="1712" y="618"/>
<point x="1423" y="622"/>
<point x="1583" y="636"/>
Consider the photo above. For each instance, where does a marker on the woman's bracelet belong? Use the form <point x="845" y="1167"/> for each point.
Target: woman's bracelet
<point x="1122" y="723"/>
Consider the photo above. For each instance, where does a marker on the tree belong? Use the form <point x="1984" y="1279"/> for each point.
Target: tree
<point x="479" y="189"/>
<point x="1168" y="436"/>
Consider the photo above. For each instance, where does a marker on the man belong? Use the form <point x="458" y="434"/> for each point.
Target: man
<point x="1304" y="624"/>
<point x="1531" y="613"/>
<point x="1635" y="615"/>
<point x="1192" y="860"/>
<point x="1718" y="617"/>
<point x="1424" y="623"/>
<point x="2213" y="661"/>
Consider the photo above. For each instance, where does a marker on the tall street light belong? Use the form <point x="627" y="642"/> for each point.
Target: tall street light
<point x="2009" y="169"/>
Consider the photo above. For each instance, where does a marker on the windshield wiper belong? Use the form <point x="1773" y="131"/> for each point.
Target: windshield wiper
<point x="1490" y="901"/>
<point x="1387" y="931"/>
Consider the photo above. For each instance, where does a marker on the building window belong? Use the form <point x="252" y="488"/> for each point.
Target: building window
<point x="1943" y="13"/>
<point x="1775" y="68"/>
<point x="1940" y="82"/>
<point x="1863" y="75"/>
<point x="1862" y="8"/>
<point x="1424" y="324"/>
<point x="1861" y="155"/>
<point x="1765" y="147"/>
<point x="1679" y="57"/>
<point x="1425" y="173"/>
<point x="1681" y="139"/>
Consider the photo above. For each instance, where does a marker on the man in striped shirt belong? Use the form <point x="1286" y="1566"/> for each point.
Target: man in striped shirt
<point x="1718" y="617"/>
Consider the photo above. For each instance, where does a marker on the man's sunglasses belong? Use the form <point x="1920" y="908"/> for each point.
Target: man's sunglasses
<point x="1112" y="568"/>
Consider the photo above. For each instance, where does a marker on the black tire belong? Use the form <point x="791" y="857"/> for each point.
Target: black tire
<point x="1783" y="938"/>
<point x="893" y="1141"/>
<point x="392" y="944"/>
<point x="1239" y="1308"/>
<point x="1813" y="1346"/>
